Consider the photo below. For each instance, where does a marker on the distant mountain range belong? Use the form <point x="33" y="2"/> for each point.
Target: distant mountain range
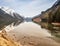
<point x="9" y="16"/>
<point x="28" y="19"/>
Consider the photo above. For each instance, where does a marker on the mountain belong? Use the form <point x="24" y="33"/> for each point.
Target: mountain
<point x="50" y="19"/>
<point x="9" y="16"/>
<point x="28" y="19"/>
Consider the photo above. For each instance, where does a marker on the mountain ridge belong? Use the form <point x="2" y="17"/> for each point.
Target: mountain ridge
<point x="50" y="19"/>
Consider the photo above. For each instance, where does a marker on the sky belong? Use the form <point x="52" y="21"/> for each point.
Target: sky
<point x="28" y="8"/>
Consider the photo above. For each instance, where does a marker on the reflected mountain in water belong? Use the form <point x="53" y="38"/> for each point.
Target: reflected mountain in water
<point x="9" y="16"/>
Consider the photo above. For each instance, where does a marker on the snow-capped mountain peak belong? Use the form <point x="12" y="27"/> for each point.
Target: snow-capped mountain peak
<point x="7" y="10"/>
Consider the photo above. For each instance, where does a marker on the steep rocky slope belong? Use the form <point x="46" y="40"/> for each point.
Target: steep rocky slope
<point x="50" y="19"/>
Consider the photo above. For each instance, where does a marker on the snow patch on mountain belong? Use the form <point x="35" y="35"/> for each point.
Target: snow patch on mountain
<point x="8" y="10"/>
